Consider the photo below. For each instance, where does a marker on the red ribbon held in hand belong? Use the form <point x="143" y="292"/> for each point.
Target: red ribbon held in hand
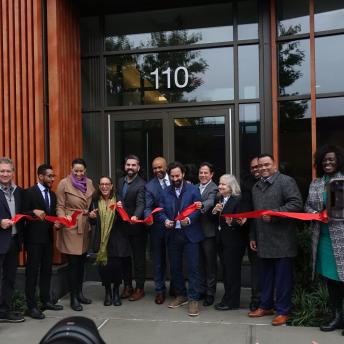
<point x="186" y="212"/>
<point x="125" y="217"/>
<point x="299" y="216"/>
<point x="18" y="217"/>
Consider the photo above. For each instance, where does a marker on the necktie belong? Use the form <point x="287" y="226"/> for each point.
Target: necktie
<point x="201" y="188"/>
<point x="46" y="199"/>
<point x="164" y="185"/>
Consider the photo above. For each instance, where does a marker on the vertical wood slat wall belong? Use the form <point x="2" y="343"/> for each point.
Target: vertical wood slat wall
<point x="64" y="65"/>
<point x="21" y="88"/>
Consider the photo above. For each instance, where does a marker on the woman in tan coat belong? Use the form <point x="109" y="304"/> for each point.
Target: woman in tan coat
<point x="75" y="193"/>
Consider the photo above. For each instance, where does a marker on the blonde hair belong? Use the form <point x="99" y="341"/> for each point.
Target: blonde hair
<point x="231" y="181"/>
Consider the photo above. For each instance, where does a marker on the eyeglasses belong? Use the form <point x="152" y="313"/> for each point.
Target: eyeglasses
<point x="50" y="175"/>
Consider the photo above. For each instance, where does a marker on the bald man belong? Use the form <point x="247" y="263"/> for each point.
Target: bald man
<point x="153" y="190"/>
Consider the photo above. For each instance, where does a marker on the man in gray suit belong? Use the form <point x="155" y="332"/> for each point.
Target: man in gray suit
<point x="208" y="263"/>
<point x="276" y="241"/>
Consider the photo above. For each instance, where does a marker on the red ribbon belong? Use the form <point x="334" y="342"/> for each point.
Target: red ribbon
<point x="186" y="212"/>
<point x="299" y="216"/>
<point x="125" y="217"/>
<point x="62" y="220"/>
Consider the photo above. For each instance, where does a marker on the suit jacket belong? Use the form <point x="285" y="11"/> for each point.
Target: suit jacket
<point x="235" y="234"/>
<point x="133" y="202"/>
<point x="208" y="223"/>
<point x="315" y="204"/>
<point x="38" y="232"/>
<point x="189" y="194"/>
<point x="277" y="239"/>
<point x="153" y="191"/>
<point x="6" y="234"/>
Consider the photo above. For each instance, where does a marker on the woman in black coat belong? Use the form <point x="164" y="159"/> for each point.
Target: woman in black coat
<point x="110" y="242"/>
<point x="231" y="241"/>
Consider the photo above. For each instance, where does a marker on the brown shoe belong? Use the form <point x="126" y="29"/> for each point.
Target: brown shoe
<point x="193" y="308"/>
<point x="260" y="312"/>
<point x="160" y="298"/>
<point x="178" y="301"/>
<point x="138" y="294"/>
<point x="279" y="320"/>
<point x="127" y="291"/>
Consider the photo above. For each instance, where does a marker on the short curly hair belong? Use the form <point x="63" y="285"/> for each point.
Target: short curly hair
<point x="320" y="155"/>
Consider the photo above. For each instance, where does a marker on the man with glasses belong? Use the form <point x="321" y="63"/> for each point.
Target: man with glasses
<point x="10" y="239"/>
<point x="40" y="201"/>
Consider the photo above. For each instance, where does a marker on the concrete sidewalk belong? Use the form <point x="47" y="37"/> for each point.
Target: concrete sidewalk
<point x="144" y="322"/>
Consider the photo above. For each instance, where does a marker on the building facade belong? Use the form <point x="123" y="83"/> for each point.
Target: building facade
<point x="191" y="80"/>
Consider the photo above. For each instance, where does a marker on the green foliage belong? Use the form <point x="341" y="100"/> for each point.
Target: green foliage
<point x="310" y="299"/>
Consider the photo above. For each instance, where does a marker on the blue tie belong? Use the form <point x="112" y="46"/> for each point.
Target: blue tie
<point x="46" y="199"/>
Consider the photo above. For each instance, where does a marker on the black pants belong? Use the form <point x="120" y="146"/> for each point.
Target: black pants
<point x="138" y="247"/>
<point x="336" y="294"/>
<point x="208" y="266"/>
<point x="8" y="271"/>
<point x="112" y="271"/>
<point x="76" y="271"/>
<point x="39" y="262"/>
<point x="255" y="275"/>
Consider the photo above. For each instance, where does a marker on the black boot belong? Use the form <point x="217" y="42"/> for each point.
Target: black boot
<point x="116" y="298"/>
<point x="74" y="302"/>
<point x="108" y="296"/>
<point x="82" y="298"/>
<point x="335" y="323"/>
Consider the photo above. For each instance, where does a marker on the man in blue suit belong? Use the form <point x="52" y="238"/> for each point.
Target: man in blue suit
<point x="153" y="191"/>
<point x="183" y="236"/>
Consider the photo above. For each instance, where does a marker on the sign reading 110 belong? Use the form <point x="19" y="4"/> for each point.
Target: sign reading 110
<point x="177" y="74"/>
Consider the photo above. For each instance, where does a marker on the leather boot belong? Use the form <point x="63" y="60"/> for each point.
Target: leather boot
<point x="82" y="298"/>
<point x="116" y="298"/>
<point x="108" y="296"/>
<point x="74" y="302"/>
<point x="335" y="323"/>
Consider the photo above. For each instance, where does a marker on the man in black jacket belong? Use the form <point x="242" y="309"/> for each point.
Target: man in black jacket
<point x="39" y="201"/>
<point x="10" y="239"/>
<point x="131" y="197"/>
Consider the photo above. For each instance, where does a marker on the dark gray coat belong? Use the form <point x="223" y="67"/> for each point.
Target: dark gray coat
<point x="209" y="224"/>
<point x="277" y="239"/>
<point x="315" y="204"/>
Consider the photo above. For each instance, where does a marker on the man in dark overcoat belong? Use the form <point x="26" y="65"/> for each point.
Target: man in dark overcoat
<point x="276" y="241"/>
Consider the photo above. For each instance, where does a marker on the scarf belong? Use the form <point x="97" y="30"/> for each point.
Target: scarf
<point x="107" y="217"/>
<point x="79" y="184"/>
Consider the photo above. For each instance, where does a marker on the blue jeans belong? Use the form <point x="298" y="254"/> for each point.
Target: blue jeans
<point x="179" y="246"/>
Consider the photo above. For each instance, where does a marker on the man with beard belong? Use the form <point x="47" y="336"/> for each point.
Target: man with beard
<point x="246" y="189"/>
<point x="153" y="191"/>
<point x="39" y="200"/>
<point x="131" y="197"/>
<point x="183" y="237"/>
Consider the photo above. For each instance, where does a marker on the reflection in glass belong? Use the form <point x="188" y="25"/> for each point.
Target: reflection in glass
<point x="249" y="131"/>
<point x="90" y="83"/>
<point x="293" y="17"/>
<point x="247" y="19"/>
<point x="248" y="57"/>
<point x="170" y="77"/>
<point x="181" y="26"/>
<point x="295" y="148"/>
<point x="329" y="58"/>
<point x="293" y="68"/>
<point x="90" y="39"/>
<point x="329" y="15"/>
<point x="330" y="121"/>
<point x="144" y="138"/>
<point x="199" y="139"/>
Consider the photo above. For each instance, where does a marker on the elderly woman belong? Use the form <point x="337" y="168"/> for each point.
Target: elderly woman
<point x="328" y="239"/>
<point x="110" y="241"/>
<point x="75" y="193"/>
<point x="231" y="241"/>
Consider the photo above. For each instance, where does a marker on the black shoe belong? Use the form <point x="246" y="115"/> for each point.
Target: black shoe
<point x="74" y="303"/>
<point x="254" y="306"/>
<point x="222" y="307"/>
<point x="208" y="300"/>
<point x="11" y="317"/>
<point x="35" y="313"/>
<point x="51" y="307"/>
<point x="83" y="299"/>
<point x="108" y="297"/>
<point x="116" y="301"/>
<point x="335" y="323"/>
